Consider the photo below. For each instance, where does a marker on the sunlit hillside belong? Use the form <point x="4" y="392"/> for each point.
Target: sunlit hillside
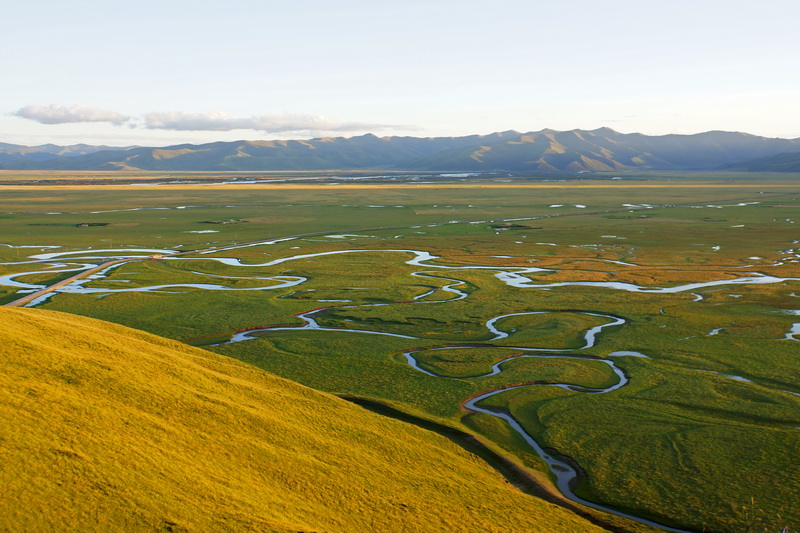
<point x="107" y="428"/>
<point x="602" y="149"/>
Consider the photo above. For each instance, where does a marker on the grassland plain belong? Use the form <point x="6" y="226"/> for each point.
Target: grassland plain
<point x="700" y="437"/>
<point x="108" y="428"/>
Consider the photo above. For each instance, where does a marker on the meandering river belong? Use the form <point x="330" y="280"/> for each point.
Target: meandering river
<point x="515" y="277"/>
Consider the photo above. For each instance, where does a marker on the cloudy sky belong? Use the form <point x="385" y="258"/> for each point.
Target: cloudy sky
<point x="173" y="71"/>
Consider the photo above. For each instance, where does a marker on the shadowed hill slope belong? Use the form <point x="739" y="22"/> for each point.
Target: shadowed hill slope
<point x="787" y="162"/>
<point x="107" y="428"/>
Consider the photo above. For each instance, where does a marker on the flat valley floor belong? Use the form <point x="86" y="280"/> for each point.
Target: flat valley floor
<point x="634" y="341"/>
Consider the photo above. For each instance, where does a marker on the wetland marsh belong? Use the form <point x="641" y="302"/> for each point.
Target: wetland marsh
<point x="641" y="335"/>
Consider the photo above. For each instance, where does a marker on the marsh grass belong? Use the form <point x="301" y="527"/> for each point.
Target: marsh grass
<point x="678" y="443"/>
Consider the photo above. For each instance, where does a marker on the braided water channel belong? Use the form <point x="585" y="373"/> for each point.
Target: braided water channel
<point x="563" y="472"/>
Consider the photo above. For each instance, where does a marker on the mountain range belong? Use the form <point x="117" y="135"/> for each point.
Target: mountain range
<point x="47" y="152"/>
<point x="542" y="151"/>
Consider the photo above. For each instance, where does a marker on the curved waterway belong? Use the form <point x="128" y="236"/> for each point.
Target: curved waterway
<point x="460" y="295"/>
<point x="564" y="473"/>
<point x="282" y="282"/>
<point x="456" y="289"/>
<point x="9" y="280"/>
<point x="589" y="336"/>
<point x="81" y="253"/>
<point x="310" y="323"/>
<point x="794" y="333"/>
<point x="513" y="277"/>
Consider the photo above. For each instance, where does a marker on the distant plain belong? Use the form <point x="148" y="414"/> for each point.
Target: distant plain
<point x="701" y="437"/>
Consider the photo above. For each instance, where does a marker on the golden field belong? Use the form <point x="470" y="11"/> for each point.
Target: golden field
<point x="108" y="428"/>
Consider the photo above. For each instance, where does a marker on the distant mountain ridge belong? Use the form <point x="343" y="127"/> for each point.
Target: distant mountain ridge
<point x="10" y="153"/>
<point x="547" y="150"/>
<point x="784" y="162"/>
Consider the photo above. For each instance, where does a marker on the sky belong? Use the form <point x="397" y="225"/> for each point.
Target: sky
<point x="156" y="73"/>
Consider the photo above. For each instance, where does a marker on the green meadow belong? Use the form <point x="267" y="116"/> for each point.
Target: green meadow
<point x="703" y="435"/>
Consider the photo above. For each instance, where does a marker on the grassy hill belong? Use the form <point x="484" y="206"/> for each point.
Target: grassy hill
<point x="108" y="428"/>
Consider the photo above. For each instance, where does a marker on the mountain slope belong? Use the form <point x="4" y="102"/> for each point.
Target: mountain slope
<point x="365" y="151"/>
<point x="606" y="150"/>
<point x="108" y="428"/>
<point x="16" y="154"/>
<point x="787" y="162"/>
<point x="544" y="151"/>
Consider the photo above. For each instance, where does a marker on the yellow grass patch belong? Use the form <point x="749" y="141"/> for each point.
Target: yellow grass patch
<point x="360" y="186"/>
<point x="106" y="428"/>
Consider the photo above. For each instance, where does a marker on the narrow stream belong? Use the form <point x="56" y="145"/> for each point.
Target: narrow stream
<point x="9" y="280"/>
<point x="563" y="472"/>
<point x="794" y="333"/>
<point x="513" y="277"/>
<point x="521" y="278"/>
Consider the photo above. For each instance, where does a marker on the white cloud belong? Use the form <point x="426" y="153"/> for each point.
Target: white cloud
<point x="219" y="121"/>
<point x="187" y="121"/>
<point x="59" y="114"/>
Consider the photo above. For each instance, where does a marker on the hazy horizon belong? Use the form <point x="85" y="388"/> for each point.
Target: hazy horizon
<point x="156" y="74"/>
<point x="309" y="138"/>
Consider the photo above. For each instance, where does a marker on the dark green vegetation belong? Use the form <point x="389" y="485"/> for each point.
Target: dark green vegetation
<point x="686" y="442"/>
<point x="543" y="151"/>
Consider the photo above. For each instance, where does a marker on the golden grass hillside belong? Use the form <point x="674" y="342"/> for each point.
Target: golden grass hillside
<point x="107" y="428"/>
